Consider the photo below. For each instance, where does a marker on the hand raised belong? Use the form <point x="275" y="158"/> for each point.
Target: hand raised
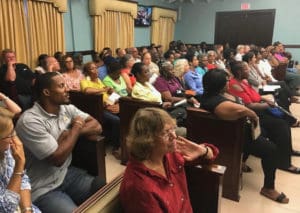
<point x="189" y="150"/>
<point x="18" y="152"/>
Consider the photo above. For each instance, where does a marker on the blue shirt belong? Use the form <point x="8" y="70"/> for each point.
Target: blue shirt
<point x="102" y="72"/>
<point x="9" y="200"/>
<point x="193" y="81"/>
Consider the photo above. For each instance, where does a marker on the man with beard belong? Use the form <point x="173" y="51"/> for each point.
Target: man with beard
<point x="49" y="131"/>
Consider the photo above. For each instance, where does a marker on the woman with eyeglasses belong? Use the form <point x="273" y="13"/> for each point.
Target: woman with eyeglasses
<point x="156" y="162"/>
<point x="14" y="183"/>
<point x="71" y="74"/>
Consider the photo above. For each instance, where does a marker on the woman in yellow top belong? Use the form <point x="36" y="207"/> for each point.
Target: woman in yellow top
<point x="111" y="121"/>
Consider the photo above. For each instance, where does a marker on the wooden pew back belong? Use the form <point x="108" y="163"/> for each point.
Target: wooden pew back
<point x="89" y="154"/>
<point x="228" y="136"/>
<point x="279" y="71"/>
<point x="91" y="104"/>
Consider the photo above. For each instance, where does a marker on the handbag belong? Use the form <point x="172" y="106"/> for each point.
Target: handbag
<point x="276" y="112"/>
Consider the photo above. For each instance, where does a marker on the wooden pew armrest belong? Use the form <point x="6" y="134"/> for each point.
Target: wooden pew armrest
<point x="105" y="199"/>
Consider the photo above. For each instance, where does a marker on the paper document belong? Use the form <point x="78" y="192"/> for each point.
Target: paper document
<point x="271" y="88"/>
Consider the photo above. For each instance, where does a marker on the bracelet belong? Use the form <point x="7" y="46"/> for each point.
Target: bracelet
<point x="79" y="122"/>
<point x="19" y="173"/>
<point x="206" y="152"/>
<point x="26" y="209"/>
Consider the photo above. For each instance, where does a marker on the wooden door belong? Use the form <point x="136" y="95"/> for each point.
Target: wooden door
<point x="245" y="27"/>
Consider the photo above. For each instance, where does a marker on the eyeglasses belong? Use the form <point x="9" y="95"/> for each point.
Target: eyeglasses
<point x="169" y="133"/>
<point x="11" y="135"/>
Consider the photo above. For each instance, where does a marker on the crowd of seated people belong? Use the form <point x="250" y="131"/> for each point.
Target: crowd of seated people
<point x="149" y="75"/>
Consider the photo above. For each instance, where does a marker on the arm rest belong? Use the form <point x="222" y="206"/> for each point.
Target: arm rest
<point x="205" y="187"/>
<point x="105" y="199"/>
<point x="90" y="155"/>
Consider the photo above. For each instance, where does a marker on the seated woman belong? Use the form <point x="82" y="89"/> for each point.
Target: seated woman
<point x="142" y="88"/>
<point x="169" y="86"/>
<point x="156" y="161"/>
<point x="223" y="105"/>
<point x="192" y="79"/>
<point x="14" y="183"/>
<point x="276" y="129"/>
<point x="71" y="74"/>
<point x="114" y="79"/>
<point x="127" y="62"/>
<point x="111" y="121"/>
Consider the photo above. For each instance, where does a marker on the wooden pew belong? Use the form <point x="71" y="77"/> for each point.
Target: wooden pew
<point x="105" y="200"/>
<point x="228" y="136"/>
<point x="204" y="183"/>
<point x="91" y="104"/>
<point x="128" y="107"/>
<point x="89" y="154"/>
<point x="279" y="71"/>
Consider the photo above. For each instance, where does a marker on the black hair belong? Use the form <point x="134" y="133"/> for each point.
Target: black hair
<point x="276" y="43"/>
<point x="214" y="82"/>
<point x="41" y="58"/>
<point x="189" y="56"/>
<point x="42" y="82"/>
<point x="236" y="68"/>
<point x="58" y="55"/>
<point x="228" y="52"/>
<point x="248" y="56"/>
<point x="113" y="67"/>
<point x="137" y="68"/>
<point x="168" y="54"/>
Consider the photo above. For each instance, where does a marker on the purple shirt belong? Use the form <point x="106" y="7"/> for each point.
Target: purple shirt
<point x="163" y="85"/>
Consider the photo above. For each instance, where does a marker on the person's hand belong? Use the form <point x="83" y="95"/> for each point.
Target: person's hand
<point x="18" y="153"/>
<point x="166" y="105"/>
<point x="109" y="90"/>
<point x="11" y="62"/>
<point x="2" y="96"/>
<point x="115" y="109"/>
<point x="194" y="102"/>
<point x="78" y="121"/>
<point x="254" y="120"/>
<point x="190" y="150"/>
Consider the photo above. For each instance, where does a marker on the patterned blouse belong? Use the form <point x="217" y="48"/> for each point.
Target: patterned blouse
<point x="73" y="83"/>
<point x="9" y="200"/>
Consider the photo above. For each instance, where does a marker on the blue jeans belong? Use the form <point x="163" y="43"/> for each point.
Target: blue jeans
<point x="76" y="188"/>
<point x="112" y="128"/>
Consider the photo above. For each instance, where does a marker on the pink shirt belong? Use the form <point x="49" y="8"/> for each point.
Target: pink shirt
<point x="73" y="83"/>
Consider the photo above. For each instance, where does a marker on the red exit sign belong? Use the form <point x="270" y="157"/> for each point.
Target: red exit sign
<point x="245" y="6"/>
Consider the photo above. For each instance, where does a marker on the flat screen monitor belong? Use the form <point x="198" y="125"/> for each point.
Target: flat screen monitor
<point x="144" y="15"/>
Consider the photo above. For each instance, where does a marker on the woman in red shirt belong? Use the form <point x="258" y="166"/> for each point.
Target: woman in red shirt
<point x="154" y="180"/>
<point x="276" y="129"/>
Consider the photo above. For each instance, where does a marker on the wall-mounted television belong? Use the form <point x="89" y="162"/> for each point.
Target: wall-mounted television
<point x="144" y="15"/>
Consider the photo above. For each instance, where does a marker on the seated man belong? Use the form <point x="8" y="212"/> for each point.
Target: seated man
<point x="49" y="131"/>
<point x="16" y="80"/>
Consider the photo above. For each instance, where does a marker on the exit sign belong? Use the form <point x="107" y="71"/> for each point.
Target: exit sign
<point x="245" y="6"/>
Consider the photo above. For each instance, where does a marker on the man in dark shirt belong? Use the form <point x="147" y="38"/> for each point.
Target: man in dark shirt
<point x="16" y="79"/>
